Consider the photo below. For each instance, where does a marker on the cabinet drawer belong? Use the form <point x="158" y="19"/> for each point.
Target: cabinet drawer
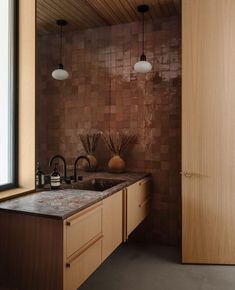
<point x="80" y="268"/>
<point x="144" y="209"/>
<point x="144" y="190"/>
<point x="138" y="203"/>
<point x="82" y="228"/>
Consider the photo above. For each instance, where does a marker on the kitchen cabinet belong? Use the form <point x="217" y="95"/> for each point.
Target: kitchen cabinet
<point x="47" y="252"/>
<point x="137" y="200"/>
<point x="112" y="223"/>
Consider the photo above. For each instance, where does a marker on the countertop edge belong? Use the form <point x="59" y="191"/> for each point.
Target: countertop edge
<point x="116" y="189"/>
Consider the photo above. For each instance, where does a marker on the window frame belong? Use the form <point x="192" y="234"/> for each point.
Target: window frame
<point x="14" y="97"/>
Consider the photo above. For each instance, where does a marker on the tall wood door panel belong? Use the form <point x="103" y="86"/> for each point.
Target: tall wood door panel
<point x="208" y="130"/>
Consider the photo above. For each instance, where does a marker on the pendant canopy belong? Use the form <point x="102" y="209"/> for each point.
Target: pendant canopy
<point x="60" y="73"/>
<point x="143" y="66"/>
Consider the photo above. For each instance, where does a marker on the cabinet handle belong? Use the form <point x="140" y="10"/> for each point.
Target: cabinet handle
<point x="189" y="174"/>
<point x="82" y="214"/>
<point x="86" y="247"/>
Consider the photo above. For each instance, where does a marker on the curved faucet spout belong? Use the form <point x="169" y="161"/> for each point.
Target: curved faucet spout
<point x="75" y="165"/>
<point x="64" y="162"/>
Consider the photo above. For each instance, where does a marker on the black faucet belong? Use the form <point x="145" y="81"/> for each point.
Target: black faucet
<point x="75" y="166"/>
<point x="65" y="166"/>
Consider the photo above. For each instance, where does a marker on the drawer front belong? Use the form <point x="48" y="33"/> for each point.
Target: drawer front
<point x="82" y="229"/>
<point x="144" y="209"/>
<point x="138" y="203"/>
<point x="81" y="267"/>
<point x="145" y="187"/>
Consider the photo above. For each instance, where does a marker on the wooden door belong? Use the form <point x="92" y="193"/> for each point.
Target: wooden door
<point x="208" y="130"/>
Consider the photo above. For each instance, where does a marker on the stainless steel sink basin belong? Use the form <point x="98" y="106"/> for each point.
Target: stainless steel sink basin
<point x="96" y="184"/>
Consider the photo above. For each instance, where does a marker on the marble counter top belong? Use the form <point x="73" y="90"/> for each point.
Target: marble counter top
<point x="63" y="203"/>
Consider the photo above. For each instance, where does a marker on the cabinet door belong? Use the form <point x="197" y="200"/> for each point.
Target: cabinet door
<point x="81" y="267"/>
<point x="82" y="228"/>
<point x="112" y="223"/>
<point x="208" y="131"/>
<point x="138" y="203"/>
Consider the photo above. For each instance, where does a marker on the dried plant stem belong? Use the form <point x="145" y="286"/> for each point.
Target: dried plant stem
<point x="118" y="143"/>
<point x="89" y="142"/>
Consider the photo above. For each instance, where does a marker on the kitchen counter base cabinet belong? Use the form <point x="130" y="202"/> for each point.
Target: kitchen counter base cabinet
<point x="44" y="253"/>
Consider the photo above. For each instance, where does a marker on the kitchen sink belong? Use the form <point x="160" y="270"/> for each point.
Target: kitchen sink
<point x="96" y="184"/>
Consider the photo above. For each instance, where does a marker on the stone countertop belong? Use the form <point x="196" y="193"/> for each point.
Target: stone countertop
<point x="63" y="203"/>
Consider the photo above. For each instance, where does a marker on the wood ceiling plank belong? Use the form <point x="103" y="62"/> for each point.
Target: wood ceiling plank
<point x="115" y="12"/>
<point x="151" y="14"/>
<point x="69" y="14"/>
<point x="131" y="9"/>
<point x="84" y="8"/>
<point x="53" y="14"/>
<point x="83" y="14"/>
<point x="103" y="10"/>
<point x="124" y="11"/>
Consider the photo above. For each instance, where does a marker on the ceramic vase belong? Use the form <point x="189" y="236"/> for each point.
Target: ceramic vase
<point x="116" y="164"/>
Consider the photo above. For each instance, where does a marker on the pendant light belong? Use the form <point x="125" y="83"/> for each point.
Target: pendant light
<point x="60" y="73"/>
<point x="143" y="66"/>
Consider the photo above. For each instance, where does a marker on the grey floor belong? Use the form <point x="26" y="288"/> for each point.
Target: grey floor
<point x="135" y="266"/>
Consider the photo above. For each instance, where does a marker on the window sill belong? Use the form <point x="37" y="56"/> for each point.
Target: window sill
<point x="10" y="193"/>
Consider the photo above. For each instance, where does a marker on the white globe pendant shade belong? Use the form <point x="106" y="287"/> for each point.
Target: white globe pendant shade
<point x="60" y="73"/>
<point x="143" y="66"/>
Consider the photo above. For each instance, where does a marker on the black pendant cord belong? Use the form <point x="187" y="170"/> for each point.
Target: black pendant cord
<point x="60" y="65"/>
<point x="143" y="34"/>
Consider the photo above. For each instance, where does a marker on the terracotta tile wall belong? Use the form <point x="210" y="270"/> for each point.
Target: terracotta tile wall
<point x="104" y="93"/>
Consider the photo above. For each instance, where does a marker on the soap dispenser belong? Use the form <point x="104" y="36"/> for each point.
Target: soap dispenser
<point x="55" y="178"/>
<point x="40" y="177"/>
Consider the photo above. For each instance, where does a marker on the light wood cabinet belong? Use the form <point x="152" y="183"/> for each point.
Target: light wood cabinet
<point x="112" y="223"/>
<point x="137" y="203"/>
<point x="46" y="253"/>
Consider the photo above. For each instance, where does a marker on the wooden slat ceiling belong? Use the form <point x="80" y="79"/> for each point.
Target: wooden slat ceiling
<point x="83" y="14"/>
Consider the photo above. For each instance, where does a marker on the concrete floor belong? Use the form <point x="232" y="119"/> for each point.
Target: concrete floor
<point x="149" y="267"/>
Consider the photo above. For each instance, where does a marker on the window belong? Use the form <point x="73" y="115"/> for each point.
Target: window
<point x="8" y="94"/>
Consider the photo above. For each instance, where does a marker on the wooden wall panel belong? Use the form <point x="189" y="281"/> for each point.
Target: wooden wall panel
<point x="208" y="128"/>
<point x="27" y="55"/>
<point x="31" y="250"/>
